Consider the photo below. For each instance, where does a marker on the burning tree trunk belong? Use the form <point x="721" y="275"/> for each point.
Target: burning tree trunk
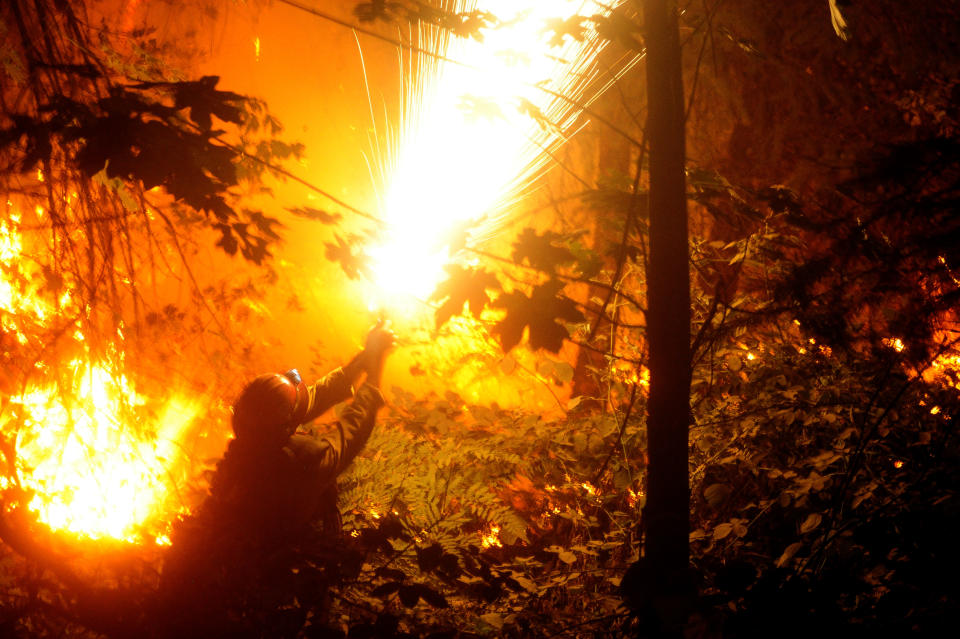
<point x="657" y="584"/>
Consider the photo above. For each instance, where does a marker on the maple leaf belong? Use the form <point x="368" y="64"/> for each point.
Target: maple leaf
<point x="353" y="264"/>
<point x="532" y="111"/>
<point x="616" y="28"/>
<point x="540" y="251"/>
<point x="540" y="312"/>
<point x="376" y="10"/>
<point x="470" y="23"/>
<point x="202" y="99"/>
<point x="228" y="241"/>
<point x="463" y="287"/>
<point x="782" y="199"/>
<point x="572" y="27"/>
<point x="513" y="58"/>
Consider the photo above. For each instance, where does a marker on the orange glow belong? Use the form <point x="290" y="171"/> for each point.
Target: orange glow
<point x="946" y="369"/>
<point x="895" y="343"/>
<point x="83" y="453"/>
<point x="465" y="146"/>
<point x="491" y="538"/>
<point x="94" y="455"/>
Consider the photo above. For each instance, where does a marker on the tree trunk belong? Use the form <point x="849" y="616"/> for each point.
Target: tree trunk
<point x="659" y="584"/>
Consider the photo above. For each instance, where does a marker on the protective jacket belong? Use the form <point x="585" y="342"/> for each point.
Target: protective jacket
<point x="273" y="495"/>
<point x="262" y="504"/>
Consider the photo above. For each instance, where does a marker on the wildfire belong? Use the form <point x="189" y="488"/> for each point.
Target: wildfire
<point x="93" y="456"/>
<point x="468" y="143"/>
<point x="81" y="453"/>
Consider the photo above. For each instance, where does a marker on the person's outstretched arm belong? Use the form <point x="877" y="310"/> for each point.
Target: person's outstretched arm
<point x="338" y="385"/>
<point x="335" y="451"/>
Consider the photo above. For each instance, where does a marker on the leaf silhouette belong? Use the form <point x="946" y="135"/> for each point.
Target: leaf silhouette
<point x="409" y="595"/>
<point x="616" y="28"/>
<point x="561" y="29"/>
<point x="477" y="108"/>
<point x="203" y="100"/>
<point x="535" y="113"/>
<point x="463" y="287"/>
<point x="540" y="251"/>
<point x="354" y="264"/>
<point x="540" y="312"/>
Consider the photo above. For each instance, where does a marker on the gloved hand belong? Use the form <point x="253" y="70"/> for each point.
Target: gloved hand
<point x="380" y="341"/>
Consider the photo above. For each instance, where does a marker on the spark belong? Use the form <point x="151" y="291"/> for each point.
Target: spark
<point x="471" y="138"/>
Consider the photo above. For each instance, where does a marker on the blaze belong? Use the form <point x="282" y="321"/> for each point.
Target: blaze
<point x="83" y="452"/>
<point x="92" y="455"/>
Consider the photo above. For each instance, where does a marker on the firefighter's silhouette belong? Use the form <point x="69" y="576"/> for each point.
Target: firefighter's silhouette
<point x="273" y="494"/>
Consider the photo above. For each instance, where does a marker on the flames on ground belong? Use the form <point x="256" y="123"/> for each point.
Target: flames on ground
<point x="93" y="456"/>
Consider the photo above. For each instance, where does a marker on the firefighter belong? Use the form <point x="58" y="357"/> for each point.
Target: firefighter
<point x="273" y="495"/>
<point x="280" y="481"/>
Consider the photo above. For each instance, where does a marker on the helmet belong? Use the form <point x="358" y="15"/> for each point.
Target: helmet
<point x="270" y="407"/>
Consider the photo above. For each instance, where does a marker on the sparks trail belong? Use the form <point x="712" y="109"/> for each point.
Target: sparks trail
<point x="466" y="150"/>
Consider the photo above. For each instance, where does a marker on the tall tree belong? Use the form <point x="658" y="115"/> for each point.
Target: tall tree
<point x="659" y="579"/>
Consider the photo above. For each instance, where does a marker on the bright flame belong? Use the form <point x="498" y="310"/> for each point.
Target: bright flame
<point x="945" y="370"/>
<point x="91" y="456"/>
<point x="894" y="342"/>
<point x="467" y="145"/>
<point x="491" y="539"/>
<point x="94" y="473"/>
